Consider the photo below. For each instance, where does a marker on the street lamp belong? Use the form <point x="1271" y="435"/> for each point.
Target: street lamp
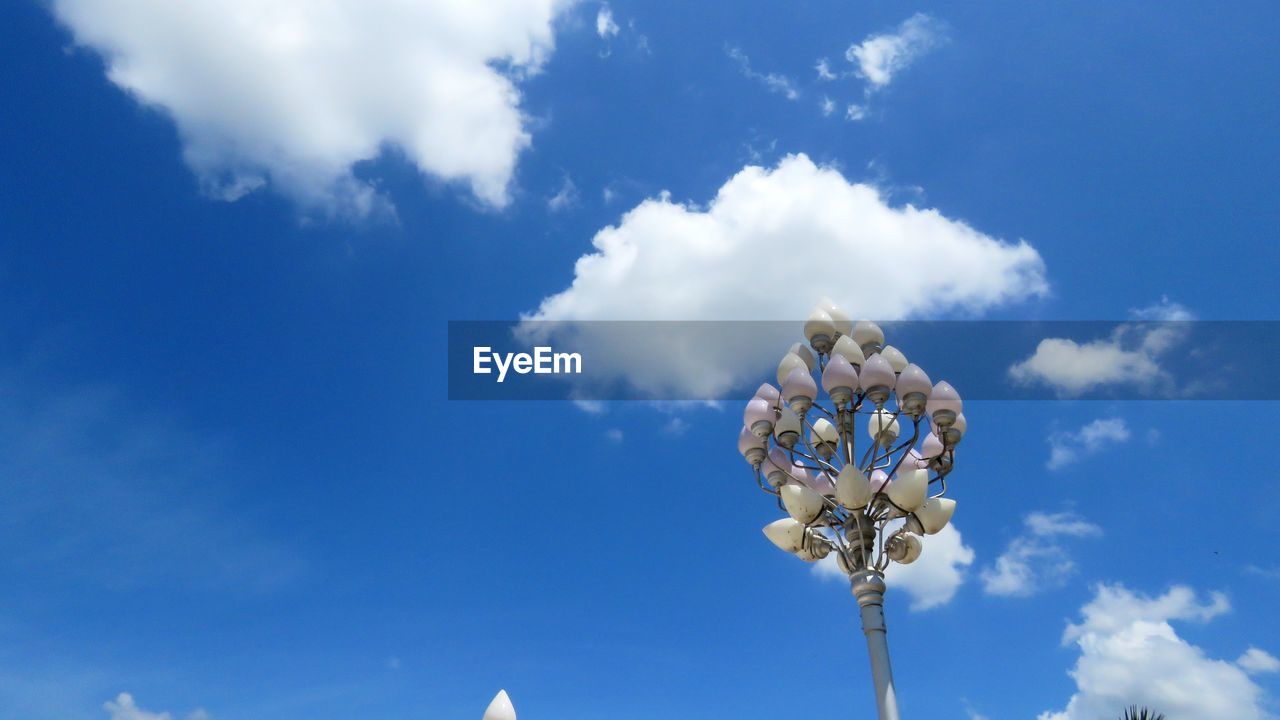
<point x="868" y="509"/>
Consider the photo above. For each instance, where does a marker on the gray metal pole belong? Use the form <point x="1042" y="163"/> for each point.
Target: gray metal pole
<point x="868" y="588"/>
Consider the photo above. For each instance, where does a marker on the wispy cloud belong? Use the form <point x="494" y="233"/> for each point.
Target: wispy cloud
<point x="566" y="197"/>
<point x="775" y="82"/>
<point x="1036" y="559"/>
<point x="880" y="57"/>
<point x="606" y="27"/>
<point x="1256" y="661"/>
<point x="99" y="492"/>
<point x="1066" y="448"/>
<point x="125" y="708"/>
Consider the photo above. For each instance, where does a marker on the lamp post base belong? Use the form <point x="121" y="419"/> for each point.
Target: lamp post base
<point x="868" y="589"/>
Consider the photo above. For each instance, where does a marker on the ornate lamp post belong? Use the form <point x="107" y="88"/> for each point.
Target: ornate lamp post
<point x="867" y="509"/>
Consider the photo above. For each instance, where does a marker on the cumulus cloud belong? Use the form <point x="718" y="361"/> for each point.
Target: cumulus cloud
<point x="296" y="94"/>
<point x="1131" y="654"/>
<point x="777" y="83"/>
<point x="880" y="57"/>
<point x="1066" y="448"/>
<point x="125" y="708"/>
<point x="767" y="232"/>
<point x="1037" y="559"/>
<point x="1130" y="354"/>
<point x="931" y="580"/>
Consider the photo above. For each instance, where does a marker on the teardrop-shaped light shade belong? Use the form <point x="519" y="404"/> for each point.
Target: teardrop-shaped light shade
<point x="931" y="447"/>
<point x="935" y="513"/>
<point x="876" y="372"/>
<point x="840" y="379"/>
<point x="759" y="416"/>
<point x="913" y="379"/>
<point x="802" y="503"/>
<point x="841" y="319"/>
<point x="799" y="385"/>
<point x="778" y="458"/>
<point x="878" y="481"/>
<point x="866" y="332"/>
<point x="819" y="325"/>
<point x="748" y="440"/>
<point x="821" y="483"/>
<point x="805" y="354"/>
<point x="800" y="475"/>
<point x="769" y="393"/>
<point x="913" y="459"/>
<point x="883" y="427"/>
<point x="849" y="349"/>
<point x="896" y="359"/>
<point x="790" y="362"/>
<point x="789" y="422"/>
<point x="960" y="424"/>
<point x="943" y="397"/>
<point x="776" y="467"/>
<point x="786" y="533"/>
<point x="824" y="431"/>
<point x="853" y="489"/>
<point x="500" y="708"/>
<point x="909" y="488"/>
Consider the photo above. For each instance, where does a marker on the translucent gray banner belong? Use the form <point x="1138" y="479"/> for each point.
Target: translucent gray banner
<point x="984" y="360"/>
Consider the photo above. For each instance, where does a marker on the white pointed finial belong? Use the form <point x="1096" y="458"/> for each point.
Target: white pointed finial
<point x="500" y="708"/>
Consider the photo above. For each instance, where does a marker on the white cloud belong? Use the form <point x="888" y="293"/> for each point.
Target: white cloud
<point x="823" y="68"/>
<point x="591" y="407"/>
<point x="605" y="25"/>
<point x="1130" y="654"/>
<point x="880" y="57"/>
<point x="855" y="112"/>
<point x="1256" y="662"/>
<point x="124" y="708"/>
<point x="780" y="84"/>
<point x="1130" y="354"/>
<point x="931" y="580"/>
<point x="297" y="93"/>
<point x="742" y="256"/>
<point x="828" y="106"/>
<point x="1036" y="559"/>
<point x="565" y="198"/>
<point x="1060" y="524"/>
<point x="613" y="435"/>
<point x="1066" y="448"/>
<point x="676" y="426"/>
<point x="1164" y="311"/>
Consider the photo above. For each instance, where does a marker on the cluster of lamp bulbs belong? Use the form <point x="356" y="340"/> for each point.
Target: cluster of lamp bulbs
<point x="806" y="454"/>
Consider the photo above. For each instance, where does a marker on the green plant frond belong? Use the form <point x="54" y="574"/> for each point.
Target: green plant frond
<point x="1136" y="713"/>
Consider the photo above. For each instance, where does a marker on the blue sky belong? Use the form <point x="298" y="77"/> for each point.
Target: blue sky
<point x="232" y="483"/>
